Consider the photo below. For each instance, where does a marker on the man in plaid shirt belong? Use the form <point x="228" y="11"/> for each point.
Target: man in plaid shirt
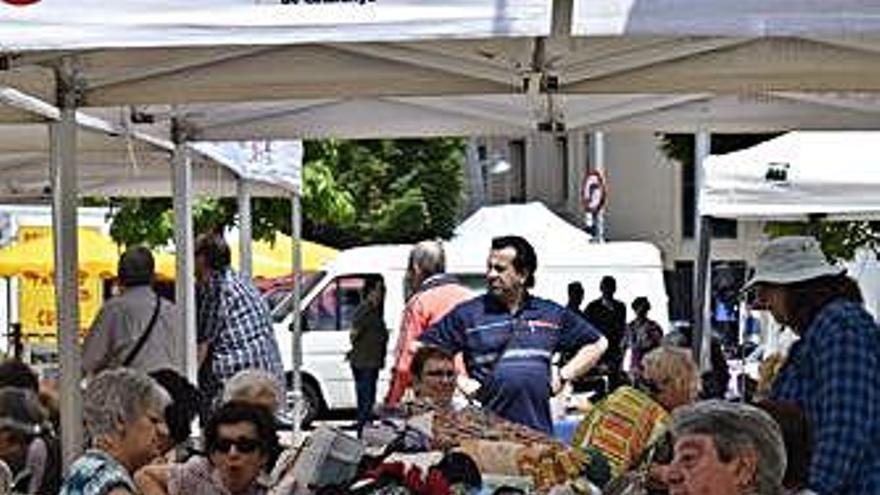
<point x="234" y="327"/>
<point x="833" y="371"/>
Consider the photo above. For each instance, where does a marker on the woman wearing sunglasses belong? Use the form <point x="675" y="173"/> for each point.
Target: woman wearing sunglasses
<point x="240" y="438"/>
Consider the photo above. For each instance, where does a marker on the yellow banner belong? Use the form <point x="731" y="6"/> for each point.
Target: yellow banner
<point x="37" y="299"/>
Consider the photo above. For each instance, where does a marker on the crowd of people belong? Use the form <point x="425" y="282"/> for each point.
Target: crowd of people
<point x="505" y="353"/>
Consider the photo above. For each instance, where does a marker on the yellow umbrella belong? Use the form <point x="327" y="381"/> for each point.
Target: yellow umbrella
<point x="274" y="259"/>
<point x="98" y="255"/>
<point x="34" y="253"/>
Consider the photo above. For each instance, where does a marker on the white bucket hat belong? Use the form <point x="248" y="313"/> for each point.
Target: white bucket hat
<point x="786" y="260"/>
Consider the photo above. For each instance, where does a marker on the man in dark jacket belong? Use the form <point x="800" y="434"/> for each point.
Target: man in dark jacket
<point x="609" y="316"/>
<point x="369" y="338"/>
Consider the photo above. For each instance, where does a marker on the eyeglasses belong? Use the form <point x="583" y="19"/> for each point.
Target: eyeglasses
<point x="441" y="374"/>
<point x="242" y="445"/>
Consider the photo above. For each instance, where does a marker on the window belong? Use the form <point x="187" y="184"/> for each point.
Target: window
<point x="333" y="309"/>
<point x="279" y="297"/>
<point x="517" y="158"/>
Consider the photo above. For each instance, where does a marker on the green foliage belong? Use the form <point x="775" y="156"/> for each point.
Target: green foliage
<point x="354" y="192"/>
<point x="680" y="147"/>
<point x="840" y="240"/>
<point x="147" y="221"/>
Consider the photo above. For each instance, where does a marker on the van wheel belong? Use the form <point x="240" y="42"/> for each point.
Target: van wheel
<point x="311" y="401"/>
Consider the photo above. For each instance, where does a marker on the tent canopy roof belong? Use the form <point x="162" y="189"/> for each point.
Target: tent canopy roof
<point x="553" y="237"/>
<point x="795" y="175"/>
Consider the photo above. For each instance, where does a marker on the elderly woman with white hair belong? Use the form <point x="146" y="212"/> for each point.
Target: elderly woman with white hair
<point x="124" y="417"/>
<point x="724" y="448"/>
<point x="254" y="386"/>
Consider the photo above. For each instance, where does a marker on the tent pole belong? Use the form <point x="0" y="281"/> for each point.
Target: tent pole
<point x="597" y="148"/>
<point x="476" y="184"/>
<point x="702" y="332"/>
<point x="64" y="219"/>
<point x="296" y="235"/>
<point x="184" y="260"/>
<point x="245" y="228"/>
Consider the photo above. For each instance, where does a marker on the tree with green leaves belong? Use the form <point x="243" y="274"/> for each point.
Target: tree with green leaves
<point x="354" y="192"/>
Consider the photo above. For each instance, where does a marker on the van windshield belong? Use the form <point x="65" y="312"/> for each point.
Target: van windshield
<point x="474" y="281"/>
<point x="280" y="298"/>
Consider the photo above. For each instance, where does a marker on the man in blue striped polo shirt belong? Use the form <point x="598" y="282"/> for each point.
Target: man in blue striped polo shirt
<point x="508" y="337"/>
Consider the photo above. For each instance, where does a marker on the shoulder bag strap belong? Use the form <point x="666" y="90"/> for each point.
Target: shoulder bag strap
<point x="145" y="335"/>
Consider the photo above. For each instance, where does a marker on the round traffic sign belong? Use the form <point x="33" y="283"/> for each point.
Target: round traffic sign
<point x="594" y="194"/>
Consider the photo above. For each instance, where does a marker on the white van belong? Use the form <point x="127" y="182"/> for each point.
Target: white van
<point x="565" y="254"/>
<point x="331" y="296"/>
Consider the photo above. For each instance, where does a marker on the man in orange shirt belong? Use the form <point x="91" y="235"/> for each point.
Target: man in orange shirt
<point x="435" y="294"/>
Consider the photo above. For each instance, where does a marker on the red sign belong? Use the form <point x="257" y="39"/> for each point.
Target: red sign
<point x="593" y="192"/>
<point x="20" y="3"/>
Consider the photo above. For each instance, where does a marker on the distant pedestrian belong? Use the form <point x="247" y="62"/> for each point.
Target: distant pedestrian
<point x="575" y="297"/>
<point x="609" y="316"/>
<point x="234" y="327"/>
<point x="369" y="340"/>
<point x="135" y="329"/>
<point x="642" y="335"/>
<point x="435" y="293"/>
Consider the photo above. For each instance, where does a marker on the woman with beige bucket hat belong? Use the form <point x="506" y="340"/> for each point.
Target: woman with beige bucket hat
<point x="833" y="371"/>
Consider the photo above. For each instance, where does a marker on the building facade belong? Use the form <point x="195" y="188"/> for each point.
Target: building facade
<point x="649" y="198"/>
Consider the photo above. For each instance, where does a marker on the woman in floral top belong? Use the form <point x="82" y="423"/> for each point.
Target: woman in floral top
<point x="642" y="335"/>
<point x="123" y="412"/>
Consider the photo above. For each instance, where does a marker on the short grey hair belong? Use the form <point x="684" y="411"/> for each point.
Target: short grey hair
<point x="120" y="396"/>
<point x="252" y="382"/>
<point x="736" y="428"/>
<point x="428" y="256"/>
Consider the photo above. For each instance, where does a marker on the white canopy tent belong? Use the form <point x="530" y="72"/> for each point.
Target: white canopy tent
<point x="723" y="18"/>
<point x="795" y="175"/>
<point x="389" y="50"/>
<point x="117" y="161"/>
<point x="565" y="254"/>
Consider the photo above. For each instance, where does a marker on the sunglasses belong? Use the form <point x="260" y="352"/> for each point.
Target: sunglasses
<point x="242" y="445"/>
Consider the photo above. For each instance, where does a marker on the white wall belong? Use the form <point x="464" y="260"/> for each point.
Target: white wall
<point x="644" y="201"/>
<point x="644" y="192"/>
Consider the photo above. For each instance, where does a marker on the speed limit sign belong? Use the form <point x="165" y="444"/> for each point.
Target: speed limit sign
<point x="593" y="192"/>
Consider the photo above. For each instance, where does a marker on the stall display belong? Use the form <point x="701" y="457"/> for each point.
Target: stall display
<point x="499" y="447"/>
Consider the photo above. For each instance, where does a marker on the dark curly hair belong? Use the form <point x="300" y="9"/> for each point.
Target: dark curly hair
<point x="184" y="405"/>
<point x="525" y="261"/>
<point x="243" y="412"/>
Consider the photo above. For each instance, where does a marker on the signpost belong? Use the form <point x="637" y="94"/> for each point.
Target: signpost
<point x="594" y="195"/>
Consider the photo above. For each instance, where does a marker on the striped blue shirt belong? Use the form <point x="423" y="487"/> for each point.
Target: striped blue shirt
<point x="509" y="353"/>
<point x="833" y="373"/>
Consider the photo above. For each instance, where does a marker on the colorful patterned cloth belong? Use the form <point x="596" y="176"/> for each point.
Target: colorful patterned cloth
<point x="622" y="426"/>
<point x="96" y="473"/>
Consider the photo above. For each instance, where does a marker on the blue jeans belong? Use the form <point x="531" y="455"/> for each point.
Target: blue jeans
<point x="365" y="387"/>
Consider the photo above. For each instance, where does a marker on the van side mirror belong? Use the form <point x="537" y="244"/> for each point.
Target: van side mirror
<point x="303" y="322"/>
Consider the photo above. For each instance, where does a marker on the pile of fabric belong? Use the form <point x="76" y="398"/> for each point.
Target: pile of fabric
<point x="498" y="448"/>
